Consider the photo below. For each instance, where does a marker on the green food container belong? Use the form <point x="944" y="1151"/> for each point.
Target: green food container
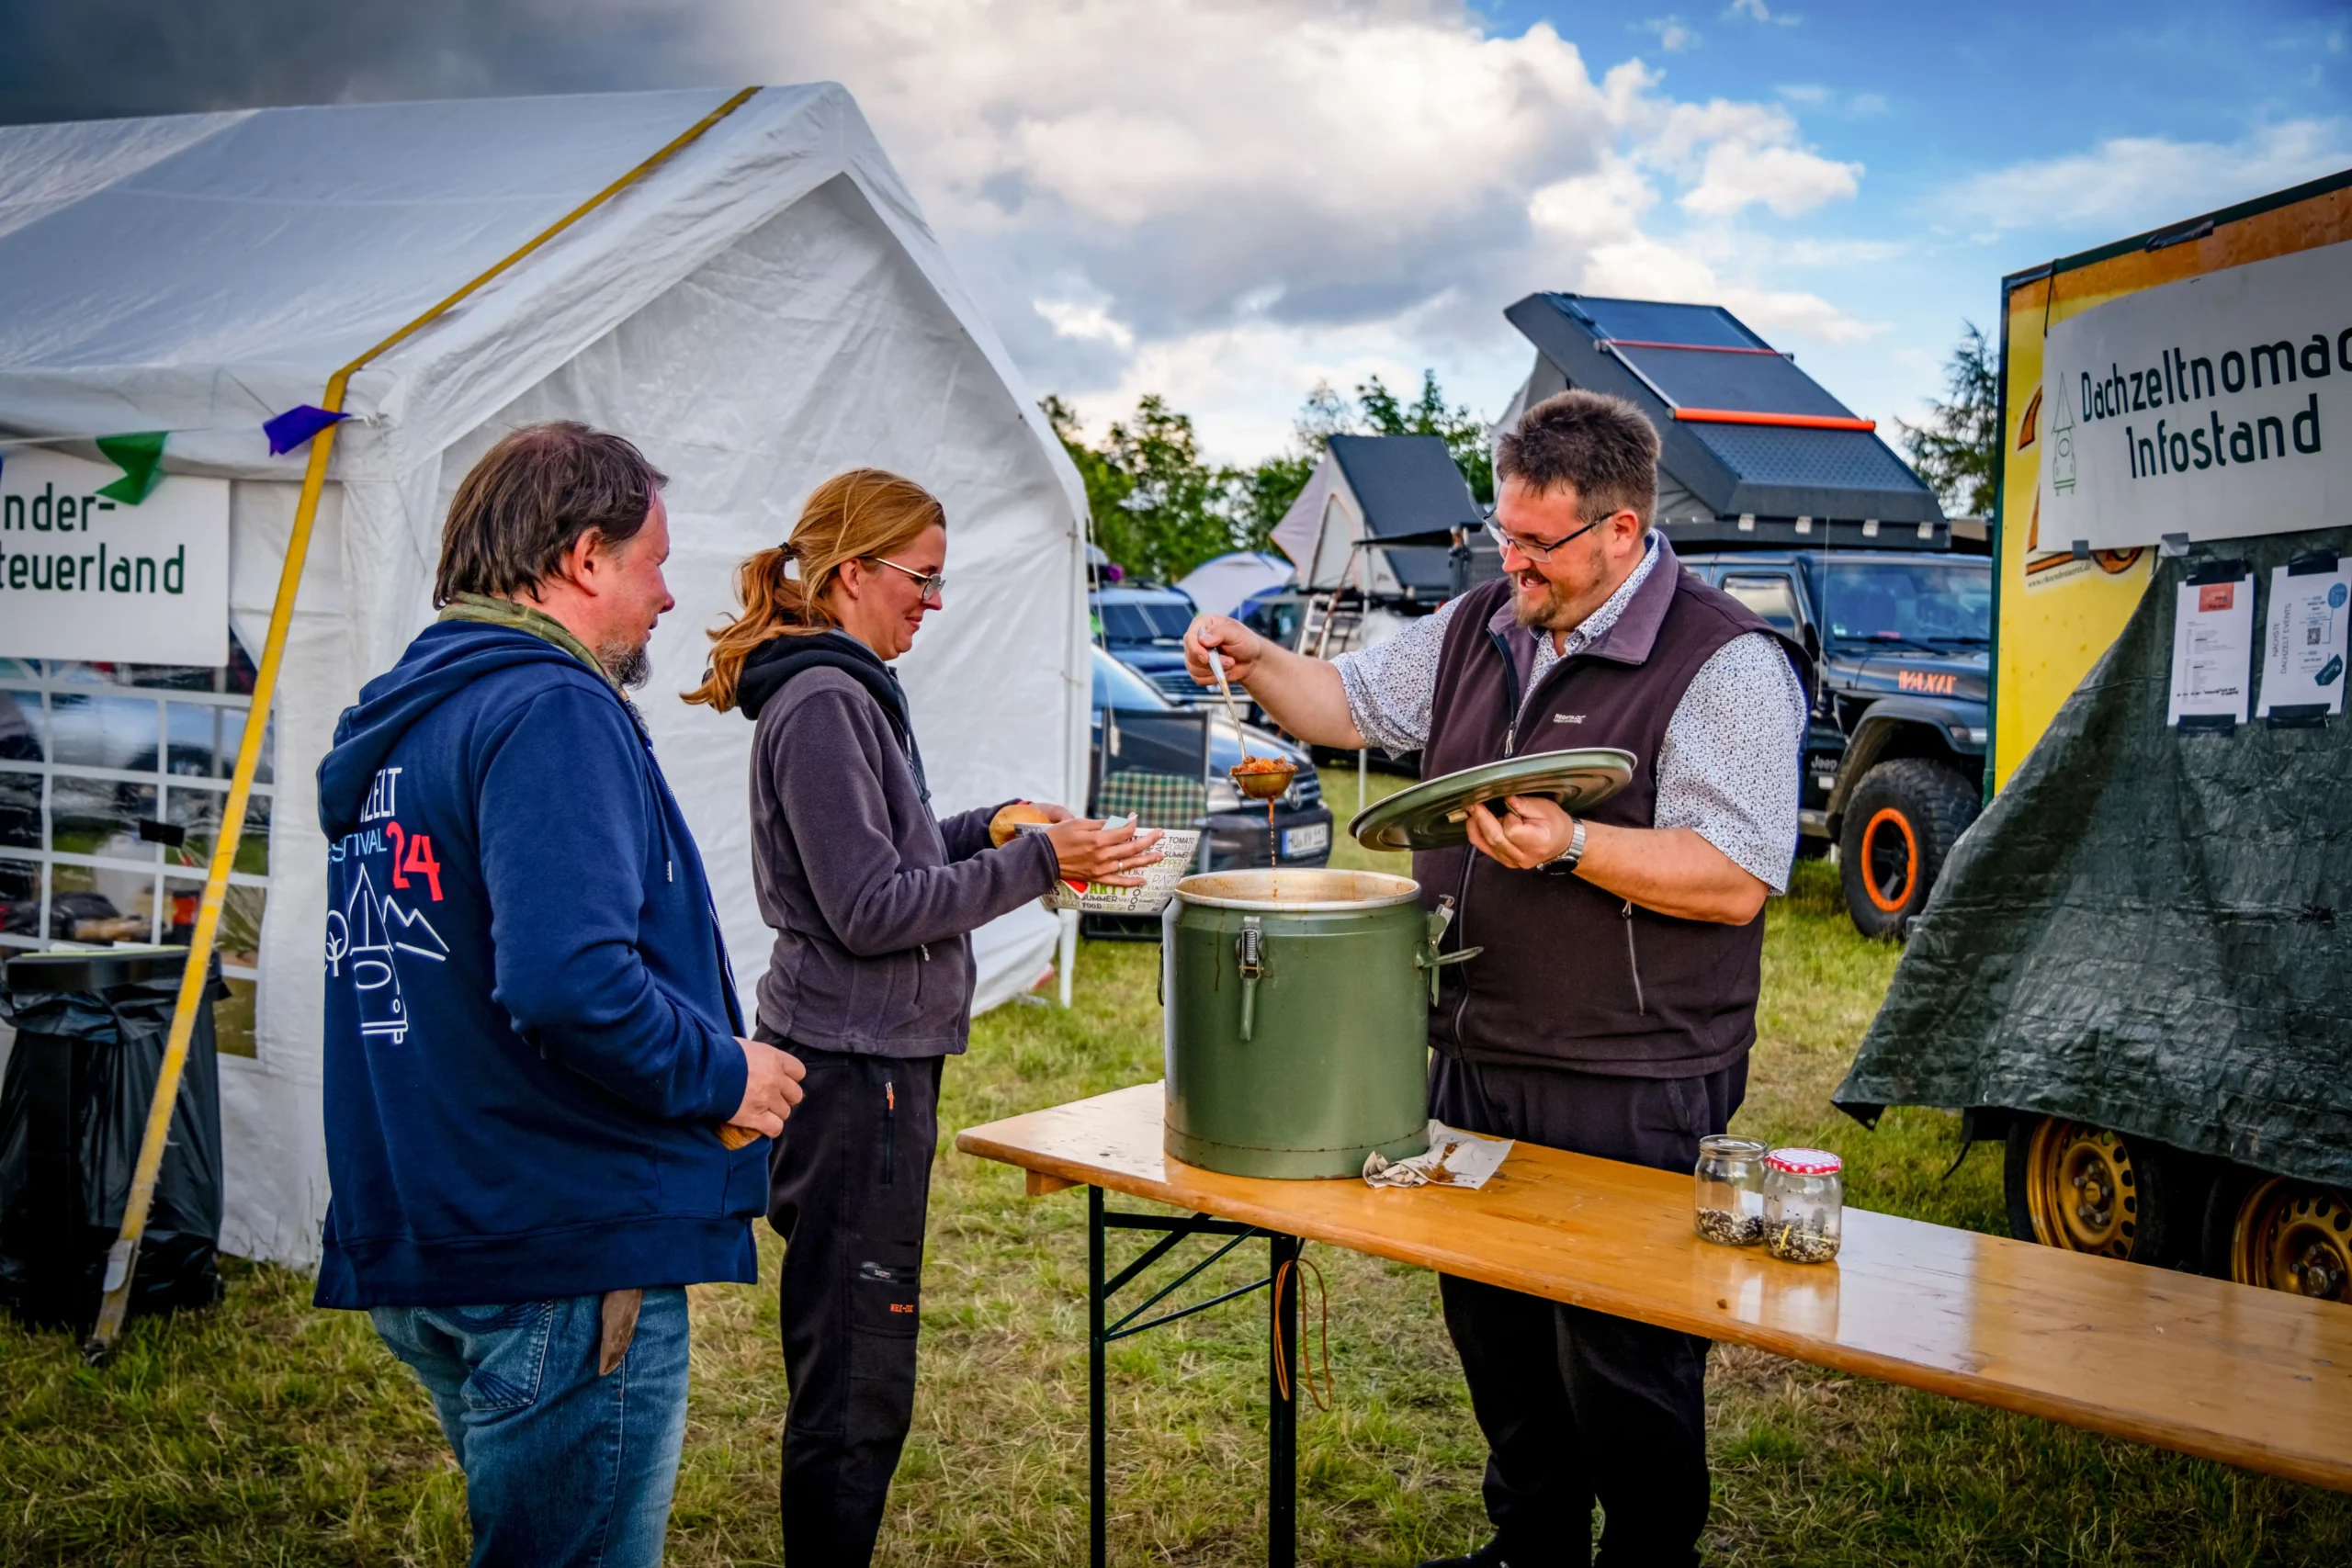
<point x="1298" y="1020"/>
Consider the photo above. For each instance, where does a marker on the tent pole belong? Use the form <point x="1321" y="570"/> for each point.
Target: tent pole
<point x="122" y="1257"/>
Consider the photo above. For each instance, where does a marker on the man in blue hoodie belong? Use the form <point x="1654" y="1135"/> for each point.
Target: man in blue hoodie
<point x="532" y="1036"/>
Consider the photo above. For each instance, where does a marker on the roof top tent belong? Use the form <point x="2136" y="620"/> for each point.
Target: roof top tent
<point x="1378" y="519"/>
<point x="762" y="310"/>
<point x="1754" y="450"/>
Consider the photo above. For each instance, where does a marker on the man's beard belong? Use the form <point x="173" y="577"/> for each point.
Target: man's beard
<point x="631" y="667"/>
<point x="1547" y="613"/>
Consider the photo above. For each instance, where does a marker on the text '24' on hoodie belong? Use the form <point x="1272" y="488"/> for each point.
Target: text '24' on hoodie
<point x="531" y="1026"/>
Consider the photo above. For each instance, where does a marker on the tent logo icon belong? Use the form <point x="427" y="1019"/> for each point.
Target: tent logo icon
<point x="364" y="933"/>
<point x="2062" y="442"/>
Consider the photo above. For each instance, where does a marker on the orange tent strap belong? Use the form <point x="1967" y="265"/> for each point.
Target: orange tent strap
<point x="1795" y="421"/>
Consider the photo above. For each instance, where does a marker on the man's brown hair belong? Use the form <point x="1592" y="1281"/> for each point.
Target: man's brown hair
<point x="1601" y="445"/>
<point x="519" y="510"/>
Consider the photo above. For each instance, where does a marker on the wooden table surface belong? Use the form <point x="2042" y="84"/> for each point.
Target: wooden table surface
<point x="2251" y="1377"/>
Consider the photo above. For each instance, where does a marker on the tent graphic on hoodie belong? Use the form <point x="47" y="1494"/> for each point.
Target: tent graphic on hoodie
<point x="364" y="933"/>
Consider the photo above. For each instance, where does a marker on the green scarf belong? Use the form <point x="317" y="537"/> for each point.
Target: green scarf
<point x="493" y="611"/>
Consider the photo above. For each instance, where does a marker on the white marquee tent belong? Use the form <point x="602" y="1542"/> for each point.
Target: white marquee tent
<point x="762" y="310"/>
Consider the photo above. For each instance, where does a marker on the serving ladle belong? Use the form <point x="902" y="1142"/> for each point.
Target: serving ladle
<point x="1259" y="778"/>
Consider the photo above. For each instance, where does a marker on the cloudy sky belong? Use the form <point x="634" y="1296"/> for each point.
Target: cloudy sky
<point x="1226" y="202"/>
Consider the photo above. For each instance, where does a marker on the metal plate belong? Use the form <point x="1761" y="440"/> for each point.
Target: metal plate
<point x="1433" y="814"/>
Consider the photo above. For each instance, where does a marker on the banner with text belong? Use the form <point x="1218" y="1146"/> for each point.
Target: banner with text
<point x="2216" y="407"/>
<point x="85" y="577"/>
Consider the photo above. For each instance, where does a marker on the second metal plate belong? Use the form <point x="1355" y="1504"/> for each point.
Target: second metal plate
<point x="1433" y="814"/>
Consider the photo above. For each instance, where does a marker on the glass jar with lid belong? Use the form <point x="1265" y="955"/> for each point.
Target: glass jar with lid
<point x="1805" y="1204"/>
<point x="1727" y="1191"/>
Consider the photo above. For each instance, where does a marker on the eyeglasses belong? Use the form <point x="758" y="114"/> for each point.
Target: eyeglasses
<point x="1532" y="550"/>
<point x="933" y="584"/>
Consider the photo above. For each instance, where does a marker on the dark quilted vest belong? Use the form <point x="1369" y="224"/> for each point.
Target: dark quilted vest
<point x="1573" y="976"/>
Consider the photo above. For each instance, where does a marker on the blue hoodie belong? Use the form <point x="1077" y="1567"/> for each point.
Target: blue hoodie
<point x="530" y="1021"/>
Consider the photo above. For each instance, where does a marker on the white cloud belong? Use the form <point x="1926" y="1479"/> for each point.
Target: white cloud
<point x="1673" y="35"/>
<point x="1758" y="11"/>
<point x="1737" y="155"/>
<point x="1785" y="179"/>
<point x="1813" y="95"/>
<point x="2138" y="182"/>
<point x="1086" y="321"/>
<point x="1224" y="199"/>
<point x="1600" y="214"/>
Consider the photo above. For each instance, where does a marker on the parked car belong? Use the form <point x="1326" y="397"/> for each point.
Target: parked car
<point x="1144" y="628"/>
<point x="1137" y="731"/>
<point x="1894" y="756"/>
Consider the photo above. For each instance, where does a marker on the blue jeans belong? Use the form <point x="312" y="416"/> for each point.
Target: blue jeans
<point x="562" y="1467"/>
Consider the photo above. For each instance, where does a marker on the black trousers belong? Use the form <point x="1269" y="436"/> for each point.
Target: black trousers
<point x="848" y="1184"/>
<point x="1578" y="1406"/>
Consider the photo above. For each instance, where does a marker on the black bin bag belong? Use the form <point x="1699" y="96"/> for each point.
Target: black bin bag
<point x="91" y="1029"/>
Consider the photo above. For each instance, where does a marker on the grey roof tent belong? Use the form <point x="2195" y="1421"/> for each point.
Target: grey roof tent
<point x="1410" y="487"/>
<point x="1755" y="450"/>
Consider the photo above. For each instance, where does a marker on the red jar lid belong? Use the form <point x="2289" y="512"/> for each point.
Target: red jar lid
<point x="1804" y="1162"/>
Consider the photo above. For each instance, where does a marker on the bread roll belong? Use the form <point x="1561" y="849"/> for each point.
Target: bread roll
<point x="1007" y="822"/>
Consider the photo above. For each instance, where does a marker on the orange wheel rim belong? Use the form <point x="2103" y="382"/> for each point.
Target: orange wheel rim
<point x="1889" y="903"/>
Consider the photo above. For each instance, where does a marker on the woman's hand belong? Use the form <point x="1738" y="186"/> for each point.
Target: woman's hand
<point x="1110" y="853"/>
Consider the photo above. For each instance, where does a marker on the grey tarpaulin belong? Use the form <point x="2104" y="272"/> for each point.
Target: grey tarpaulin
<point x="2146" y="928"/>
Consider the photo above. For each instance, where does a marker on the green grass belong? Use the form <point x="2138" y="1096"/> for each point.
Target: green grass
<point x="267" y="1432"/>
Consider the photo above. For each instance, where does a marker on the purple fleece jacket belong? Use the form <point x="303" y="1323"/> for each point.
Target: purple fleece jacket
<point x="871" y="896"/>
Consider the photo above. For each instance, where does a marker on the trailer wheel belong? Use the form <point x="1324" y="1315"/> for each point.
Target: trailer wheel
<point x="2281" y="1235"/>
<point x="2085" y="1189"/>
<point x="1899" y="826"/>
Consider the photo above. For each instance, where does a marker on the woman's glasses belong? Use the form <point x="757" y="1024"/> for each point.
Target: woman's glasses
<point x="933" y="583"/>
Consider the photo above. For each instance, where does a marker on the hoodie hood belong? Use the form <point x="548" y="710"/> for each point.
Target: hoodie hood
<point x="444" y="658"/>
<point x="770" y="666"/>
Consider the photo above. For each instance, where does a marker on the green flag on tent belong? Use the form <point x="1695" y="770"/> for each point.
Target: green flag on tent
<point x="140" y="456"/>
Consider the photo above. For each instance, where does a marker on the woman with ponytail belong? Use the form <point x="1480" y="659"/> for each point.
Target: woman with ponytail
<point x="872" y="900"/>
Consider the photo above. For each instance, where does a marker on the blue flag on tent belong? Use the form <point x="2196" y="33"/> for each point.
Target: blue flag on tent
<point x="297" y="426"/>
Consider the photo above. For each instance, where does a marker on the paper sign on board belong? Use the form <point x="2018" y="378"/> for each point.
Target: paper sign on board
<point x="2213" y="650"/>
<point x="2303" y="656"/>
<point x="2211" y="408"/>
<point x="88" y="577"/>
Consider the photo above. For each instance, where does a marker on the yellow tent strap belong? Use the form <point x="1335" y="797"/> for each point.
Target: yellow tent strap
<point x="123" y="1257"/>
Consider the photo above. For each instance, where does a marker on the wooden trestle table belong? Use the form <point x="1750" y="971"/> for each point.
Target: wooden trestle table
<point x="2250" y="1377"/>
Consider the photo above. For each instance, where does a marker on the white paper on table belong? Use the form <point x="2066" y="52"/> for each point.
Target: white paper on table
<point x="1455" y="1159"/>
<point x="2303" y="646"/>
<point x="2212" y="649"/>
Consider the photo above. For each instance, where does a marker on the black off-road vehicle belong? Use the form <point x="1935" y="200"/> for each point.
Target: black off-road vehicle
<point x="1894" y="757"/>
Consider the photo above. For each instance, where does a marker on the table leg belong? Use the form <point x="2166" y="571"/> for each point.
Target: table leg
<point x="1282" y="1423"/>
<point x="1098" y="1500"/>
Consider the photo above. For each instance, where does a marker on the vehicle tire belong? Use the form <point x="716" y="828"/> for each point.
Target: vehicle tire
<point x="2085" y="1189"/>
<point x="1900" y="825"/>
<point x="2280" y="1233"/>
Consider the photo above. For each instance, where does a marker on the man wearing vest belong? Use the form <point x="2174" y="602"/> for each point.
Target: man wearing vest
<point x="1614" y="1004"/>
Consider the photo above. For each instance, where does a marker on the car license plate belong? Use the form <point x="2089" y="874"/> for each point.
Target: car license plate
<point x="1306" y="841"/>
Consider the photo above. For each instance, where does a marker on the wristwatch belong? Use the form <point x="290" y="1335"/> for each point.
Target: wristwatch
<point x="1565" y="863"/>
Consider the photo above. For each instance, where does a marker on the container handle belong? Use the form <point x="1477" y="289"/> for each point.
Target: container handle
<point x="1250" y="949"/>
<point x="1433" y="961"/>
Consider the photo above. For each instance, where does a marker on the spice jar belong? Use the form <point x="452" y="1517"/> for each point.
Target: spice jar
<point x="1805" y="1205"/>
<point x="1727" y="1191"/>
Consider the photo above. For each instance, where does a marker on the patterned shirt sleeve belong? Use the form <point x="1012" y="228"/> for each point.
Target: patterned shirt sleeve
<point x="1390" y="687"/>
<point x="1731" y="759"/>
